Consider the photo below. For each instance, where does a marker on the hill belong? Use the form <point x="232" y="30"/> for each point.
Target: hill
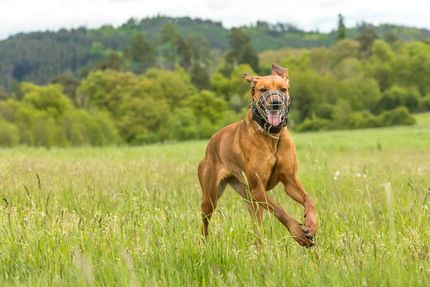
<point x="38" y="57"/>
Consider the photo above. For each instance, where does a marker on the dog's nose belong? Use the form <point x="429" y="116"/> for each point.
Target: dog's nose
<point x="276" y="104"/>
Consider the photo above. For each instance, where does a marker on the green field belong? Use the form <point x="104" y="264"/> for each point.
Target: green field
<point x="124" y="216"/>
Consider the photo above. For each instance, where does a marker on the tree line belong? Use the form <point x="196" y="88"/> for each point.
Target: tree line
<point x="40" y="56"/>
<point x="180" y="89"/>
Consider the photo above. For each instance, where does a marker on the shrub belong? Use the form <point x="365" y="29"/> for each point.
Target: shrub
<point x="183" y="124"/>
<point x="359" y="120"/>
<point x="313" y="124"/>
<point x="398" y="96"/>
<point x="325" y="111"/>
<point x="425" y="103"/>
<point x="38" y="128"/>
<point x="396" y="117"/>
<point x="9" y="135"/>
<point x="83" y="128"/>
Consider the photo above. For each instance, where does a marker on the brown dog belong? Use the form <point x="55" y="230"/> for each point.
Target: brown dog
<point x="254" y="155"/>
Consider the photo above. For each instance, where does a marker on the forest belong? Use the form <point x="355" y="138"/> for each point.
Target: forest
<point x="166" y="79"/>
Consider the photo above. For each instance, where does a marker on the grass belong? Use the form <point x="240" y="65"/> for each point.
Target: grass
<point x="130" y="216"/>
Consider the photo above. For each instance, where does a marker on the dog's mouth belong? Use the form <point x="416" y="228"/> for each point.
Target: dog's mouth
<point x="274" y="118"/>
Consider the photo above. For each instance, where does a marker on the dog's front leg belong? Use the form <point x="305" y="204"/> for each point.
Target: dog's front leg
<point x="295" y="190"/>
<point x="260" y="196"/>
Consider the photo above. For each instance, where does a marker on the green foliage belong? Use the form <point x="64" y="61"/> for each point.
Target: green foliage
<point x="38" y="57"/>
<point x="50" y="99"/>
<point x="83" y="128"/>
<point x="45" y="117"/>
<point x="425" y="103"/>
<point x="359" y="120"/>
<point x="399" y="96"/>
<point x="104" y="89"/>
<point x="208" y="110"/>
<point x="9" y="136"/>
<point x="341" y="29"/>
<point x="200" y="76"/>
<point x="397" y="116"/>
<point x="140" y="52"/>
<point x="242" y="51"/>
<point x="39" y="128"/>
<point x="229" y="86"/>
<point x="177" y="84"/>
<point x="314" y="124"/>
<point x="113" y="61"/>
<point x="411" y="67"/>
<point x="157" y="106"/>
<point x="366" y="38"/>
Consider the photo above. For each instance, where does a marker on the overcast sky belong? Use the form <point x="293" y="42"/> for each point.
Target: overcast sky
<point x="35" y="15"/>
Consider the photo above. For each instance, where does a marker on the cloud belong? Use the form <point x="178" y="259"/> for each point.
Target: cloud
<point x="29" y="15"/>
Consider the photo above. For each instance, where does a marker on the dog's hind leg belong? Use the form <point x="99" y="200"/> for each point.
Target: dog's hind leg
<point x="212" y="188"/>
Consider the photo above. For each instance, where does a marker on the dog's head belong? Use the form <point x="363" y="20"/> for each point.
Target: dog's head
<point x="270" y="95"/>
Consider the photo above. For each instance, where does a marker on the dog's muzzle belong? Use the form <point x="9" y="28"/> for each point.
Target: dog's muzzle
<point x="271" y="111"/>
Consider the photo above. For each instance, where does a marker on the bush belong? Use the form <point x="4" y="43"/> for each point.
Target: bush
<point x="182" y="124"/>
<point x="398" y="96"/>
<point x="314" y="124"/>
<point x="359" y="120"/>
<point x="396" y="117"/>
<point x="425" y="103"/>
<point x="39" y="128"/>
<point x="9" y="135"/>
<point x="48" y="98"/>
<point x="82" y="128"/>
<point x="325" y="111"/>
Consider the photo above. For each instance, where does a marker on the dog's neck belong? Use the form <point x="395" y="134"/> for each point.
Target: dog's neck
<point x="259" y="129"/>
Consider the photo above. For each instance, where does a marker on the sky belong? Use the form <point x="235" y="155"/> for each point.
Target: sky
<point x="40" y="15"/>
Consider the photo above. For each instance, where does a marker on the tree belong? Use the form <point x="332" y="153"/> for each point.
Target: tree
<point x="3" y="94"/>
<point x="104" y="90"/>
<point x="380" y="64"/>
<point x="69" y="82"/>
<point x="209" y="111"/>
<point x="391" y="37"/>
<point x="49" y="98"/>
<point x="366" y="38"/>
<point x="200" y="76"/>
<point x="184" y="49"/>
<point x="167" y="33"/>
<point x="140" y="52"/>
<point x="341" y="29"/>
<point x="113" y="61"/>
<point x="241" y="50"/>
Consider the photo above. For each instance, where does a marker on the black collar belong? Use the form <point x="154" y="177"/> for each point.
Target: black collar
<point x="262" y="123"/>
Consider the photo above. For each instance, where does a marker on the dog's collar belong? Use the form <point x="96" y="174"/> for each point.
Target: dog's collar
<point x="263" y="124"/>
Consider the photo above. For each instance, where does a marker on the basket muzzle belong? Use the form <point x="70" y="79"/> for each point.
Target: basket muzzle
<point x="272" y="109"/>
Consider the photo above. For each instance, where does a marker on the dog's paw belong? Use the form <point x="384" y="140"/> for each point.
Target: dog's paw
<point x="307" y="232"/>
<point x="310" y="224"/>
<point x="302" y="236"/>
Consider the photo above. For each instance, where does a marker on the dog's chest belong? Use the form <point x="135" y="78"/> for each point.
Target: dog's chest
<point x="264" y="164"/>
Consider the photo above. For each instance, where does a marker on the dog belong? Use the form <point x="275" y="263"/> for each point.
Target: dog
<point x="254" y="155"/>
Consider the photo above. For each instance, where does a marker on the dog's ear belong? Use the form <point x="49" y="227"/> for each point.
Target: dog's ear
<point x="250" y="79"/>
<point x="279" y="71"/>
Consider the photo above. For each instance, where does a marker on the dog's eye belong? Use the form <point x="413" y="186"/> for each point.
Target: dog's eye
<point x="263" y="90"/>
<point x="284" y="90"/>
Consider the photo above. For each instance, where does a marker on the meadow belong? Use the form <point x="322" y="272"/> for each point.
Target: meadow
<point x="130" y="216"/>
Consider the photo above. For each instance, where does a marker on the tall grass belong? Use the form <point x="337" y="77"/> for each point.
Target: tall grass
<point x="130" y="217"/>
